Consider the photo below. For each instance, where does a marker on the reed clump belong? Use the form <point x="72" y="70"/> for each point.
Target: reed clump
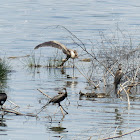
<point x="56" y="60"/>
<point x="32" y="61"/>
<point x="4" y="69"/>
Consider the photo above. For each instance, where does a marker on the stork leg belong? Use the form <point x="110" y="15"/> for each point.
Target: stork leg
<point x="73" y="68"/>
<point x="73" y="64"/>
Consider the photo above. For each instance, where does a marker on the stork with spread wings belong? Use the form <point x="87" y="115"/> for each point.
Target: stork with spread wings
<point x="68" y="52"/>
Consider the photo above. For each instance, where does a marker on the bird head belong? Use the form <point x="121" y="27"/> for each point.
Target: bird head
<point x="76" y="54"/>
<point x="65" y="91"/>
<point x="120" y="66"/>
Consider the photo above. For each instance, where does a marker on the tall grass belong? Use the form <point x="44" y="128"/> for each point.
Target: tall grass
<point x="56" y="59"/>
<point x="32" y="61"/>
<point x="5" y="68"/>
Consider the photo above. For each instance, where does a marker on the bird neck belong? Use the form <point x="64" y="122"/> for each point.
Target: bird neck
<point x="65" y="92"/>
<point x="72" y="54"/>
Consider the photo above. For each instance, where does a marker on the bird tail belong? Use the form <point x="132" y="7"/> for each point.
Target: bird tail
<point x="116" y="87"/>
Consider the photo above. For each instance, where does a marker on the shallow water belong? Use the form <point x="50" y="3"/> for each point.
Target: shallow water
<point x="26" y="23"/>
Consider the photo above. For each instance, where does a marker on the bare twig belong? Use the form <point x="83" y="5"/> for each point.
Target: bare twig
<point x="62" y="111"/>
<point x="123" y="88"/>
<point x="121" y="135"/>
<point x="61" y="138"/>
<point x="61" y="107"/>
<point x="95" y="86"/>
<point x="12" y="103"/>
<point x="42" y="108"/>
<point x="83" y="47"/>
<point x="44" y="93"/>
<point x="18" y="113"/>
<point x="136" y="73"/>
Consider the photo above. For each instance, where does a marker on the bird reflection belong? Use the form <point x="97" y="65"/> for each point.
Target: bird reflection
<point x="71" y="84"/>
<point x="63" y="71"/>
<point x="58" y="129"/>
<point x="118" y="119"/>
<point x="2" y="122"/>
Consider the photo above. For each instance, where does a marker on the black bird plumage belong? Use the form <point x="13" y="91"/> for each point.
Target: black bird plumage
<point x="3" y="98"/>
<point x="59" y="98"/>
<point x="119" y="74"/>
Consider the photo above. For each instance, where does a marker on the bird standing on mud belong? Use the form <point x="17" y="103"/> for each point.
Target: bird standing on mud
<point x="69" y="52"/>
<point x="119" y="74"/>
<point x="3" y="98"/>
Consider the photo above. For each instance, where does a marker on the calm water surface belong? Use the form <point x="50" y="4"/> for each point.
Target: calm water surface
<point x="26" y="23"/>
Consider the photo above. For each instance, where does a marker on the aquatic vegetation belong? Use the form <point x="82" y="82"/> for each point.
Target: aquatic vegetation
<point x="4" y="69"/>
<point x="32" y="61"/>
<point x="105" y="55"/>
<point x="56" y="60"/>
<point x="53" y="63"/>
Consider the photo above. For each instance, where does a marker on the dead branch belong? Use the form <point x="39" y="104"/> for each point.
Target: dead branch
<point x="12" y="103"/>
<point x="44" y="93"/>
<point x="121" y="135"/>
<point x="18" y="113"/>
<point x="123" y="88"/>
<point x="95" y="86"/>
<point x="83" y="47"/>
<point x="136" y="73"/>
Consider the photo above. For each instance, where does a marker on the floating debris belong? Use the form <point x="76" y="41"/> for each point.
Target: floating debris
<point x="93" y="95"/>
<point x="86" y="60"/>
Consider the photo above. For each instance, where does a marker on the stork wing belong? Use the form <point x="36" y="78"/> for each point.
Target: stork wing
<point x="54" y="44"/>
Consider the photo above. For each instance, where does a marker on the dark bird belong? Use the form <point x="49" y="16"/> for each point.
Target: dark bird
<point x="119" y="74"/>
<point x="69" y="52"/>
<point x="59" y="98"/>
<point x="3" y="98"/>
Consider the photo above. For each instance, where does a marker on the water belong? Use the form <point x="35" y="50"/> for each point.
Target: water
<point x="26" y="23"/>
